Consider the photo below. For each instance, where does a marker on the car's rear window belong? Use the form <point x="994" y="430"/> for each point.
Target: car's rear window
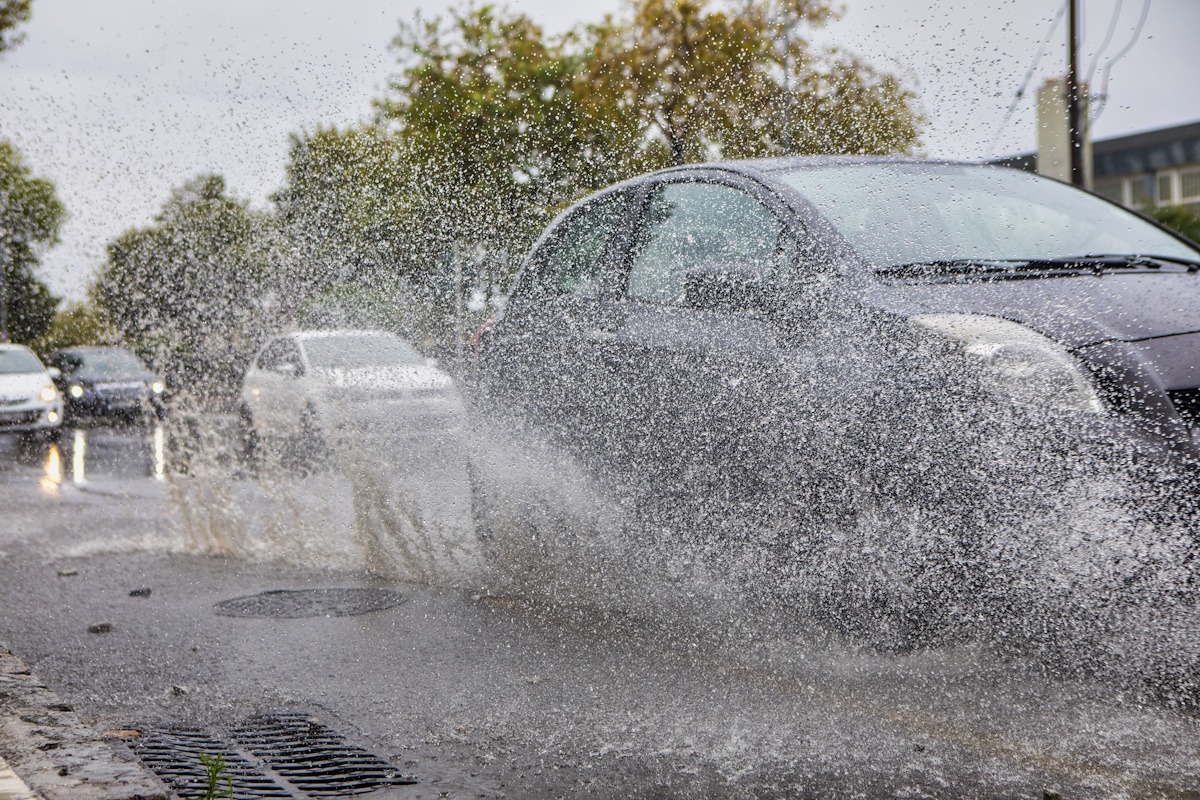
<point x="353" y="351"/>
<point x="15" y="361"/>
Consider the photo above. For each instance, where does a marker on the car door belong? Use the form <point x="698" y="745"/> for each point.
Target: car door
<point x="545" y="354"/>
<point x="702" y="381"/>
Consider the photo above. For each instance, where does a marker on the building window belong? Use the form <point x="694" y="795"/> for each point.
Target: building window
<point x="1165" y="193"/>
<point x="1139" y="191"/>
<point x="1189" y="186"/>
<point x="1113" y="189"/>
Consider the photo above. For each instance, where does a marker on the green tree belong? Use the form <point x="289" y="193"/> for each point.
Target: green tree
<point x="30" y="217"/>
<point x="77" y="324"/>
<point x="1181" y="219"/>
<point x="484" y="115"/>
<point x="189" y="291"/>
<point x="685" y="80"/>
<point x="12" y="13"/>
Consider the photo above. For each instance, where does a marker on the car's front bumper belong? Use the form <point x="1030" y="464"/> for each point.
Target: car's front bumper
<point x="32" y="415"/>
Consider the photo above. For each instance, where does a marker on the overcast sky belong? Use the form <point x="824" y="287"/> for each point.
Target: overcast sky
<point x="117" y="101"/>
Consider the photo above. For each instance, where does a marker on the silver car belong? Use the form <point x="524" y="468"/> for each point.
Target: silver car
<point x="317" y="387"/>
<point x="29" y="401"/>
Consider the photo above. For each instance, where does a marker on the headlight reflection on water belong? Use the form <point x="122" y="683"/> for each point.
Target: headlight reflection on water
<point x="52" y="471"/>
<point x="79" y="458"/>
<point x="160" y="458"/>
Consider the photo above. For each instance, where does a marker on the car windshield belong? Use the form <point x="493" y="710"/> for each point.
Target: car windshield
<point x="110" y="361"/>
<point x="18" y="360"/>
<point x="355" y="351"/>
<point x="905" y="213"/>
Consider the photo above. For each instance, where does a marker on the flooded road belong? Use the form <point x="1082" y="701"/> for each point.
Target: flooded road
<point x="480" y="684"/>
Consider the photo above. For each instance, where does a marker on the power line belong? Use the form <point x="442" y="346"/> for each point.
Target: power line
<point x="1137" y="32"/>
<point x="1112" y="28"/>
<point x="1028" y="76"/>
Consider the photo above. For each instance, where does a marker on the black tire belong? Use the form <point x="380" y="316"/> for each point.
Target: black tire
<point x="310" y="447"/>
<point x="249" y="446"/>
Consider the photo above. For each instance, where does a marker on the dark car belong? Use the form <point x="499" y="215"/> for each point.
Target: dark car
<point x="106" y="382"/>
<point x="835" y="328"/>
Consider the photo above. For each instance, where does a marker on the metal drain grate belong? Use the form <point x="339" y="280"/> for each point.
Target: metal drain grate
<point x="299" y="603"/>
<point x="174" y="756"/>
<point x="289" y="756"/>
<point x="314" y="758"/>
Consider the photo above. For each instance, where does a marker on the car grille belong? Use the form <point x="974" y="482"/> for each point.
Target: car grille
<point x="12" y="401"/>
<point x="120" y="391"/>
<point x="1187" y="404"/>
<point x="8" y="418"/>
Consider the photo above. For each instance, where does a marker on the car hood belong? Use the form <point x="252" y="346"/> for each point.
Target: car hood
<point x="1076" y="311"/>
<point x="110" y="377"/>
<point x="22" y="385"/>
<point x="416" y="376"/>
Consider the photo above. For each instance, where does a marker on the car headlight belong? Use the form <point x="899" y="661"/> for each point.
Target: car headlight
<point x="157" y="387"/>
<point x="48" y="394"/>
<point x="76" y="391"/>
<point x="1018" y="360"/>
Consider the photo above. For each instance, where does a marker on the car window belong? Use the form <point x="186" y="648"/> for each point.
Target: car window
<point x="18" y="360"/>
<point x="569" y="261"/>
<point x="268" y="359"/>
<point x="351" y="351"/>
<point x="688" y="225"/>
<point x="279" y="353"/>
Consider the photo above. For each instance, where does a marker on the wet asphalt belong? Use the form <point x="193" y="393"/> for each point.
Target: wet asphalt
<point x="479" y="693"/>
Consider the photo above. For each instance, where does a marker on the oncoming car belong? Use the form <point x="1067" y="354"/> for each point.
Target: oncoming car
<point x="315" y="387"/>
<point x="106" y="382"/>
<point x="29" y="402"/>
<point x="732" y="320"/>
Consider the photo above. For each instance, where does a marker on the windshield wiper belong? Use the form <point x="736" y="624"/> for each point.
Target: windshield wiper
<point x="1119" y="260"/>
<point x="952" y="266"/>
<point x="1094" y="263"/>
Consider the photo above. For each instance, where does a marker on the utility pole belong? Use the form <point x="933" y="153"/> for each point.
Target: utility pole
<point x="1074" y="123"/>
<point x="787" y="83"/>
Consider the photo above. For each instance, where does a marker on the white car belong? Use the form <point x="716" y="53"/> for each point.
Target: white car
<point x="316" y="387"/>
<point x="29" y="401"/>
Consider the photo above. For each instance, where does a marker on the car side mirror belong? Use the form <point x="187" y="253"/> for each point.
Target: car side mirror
<point x="728" y="287"/>
<point x="289" y="370"/>
<point x="54" y="372"/>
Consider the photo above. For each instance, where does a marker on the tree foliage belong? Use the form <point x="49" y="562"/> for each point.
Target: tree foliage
<point x="77" y="324"/>
<point x="12" y="14"/>
<point x="1181" y="219"/>
<point x="189" y="290"/>
<point x="30" y="217"/>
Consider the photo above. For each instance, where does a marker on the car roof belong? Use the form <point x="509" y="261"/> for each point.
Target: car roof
<point x="764" y="168"/>
<point x="92" y="349"/>
<point x="14" y="347"/>
<point x="326" y="334"/>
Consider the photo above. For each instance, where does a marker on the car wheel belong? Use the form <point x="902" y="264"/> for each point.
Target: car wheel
<point x="249" y="447"/>
<point x="480" y="515"/>
<point x="311" y="448"/>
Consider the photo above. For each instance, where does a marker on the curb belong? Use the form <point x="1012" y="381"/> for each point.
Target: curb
<point x="48" y="753"/>
<point x="11" y="786"/>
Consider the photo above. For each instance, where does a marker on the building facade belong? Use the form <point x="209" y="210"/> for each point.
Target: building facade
<point x="1141" y="170"/>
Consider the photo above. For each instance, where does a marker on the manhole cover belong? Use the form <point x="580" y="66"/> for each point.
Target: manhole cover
<point x="298" y="603"/>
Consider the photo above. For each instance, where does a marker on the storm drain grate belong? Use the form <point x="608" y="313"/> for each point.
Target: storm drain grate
<point x="174" y="756"/>
<point x="314" y="758"/>
<point x="281" y="756"/>
<point x="300" y="603"/>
